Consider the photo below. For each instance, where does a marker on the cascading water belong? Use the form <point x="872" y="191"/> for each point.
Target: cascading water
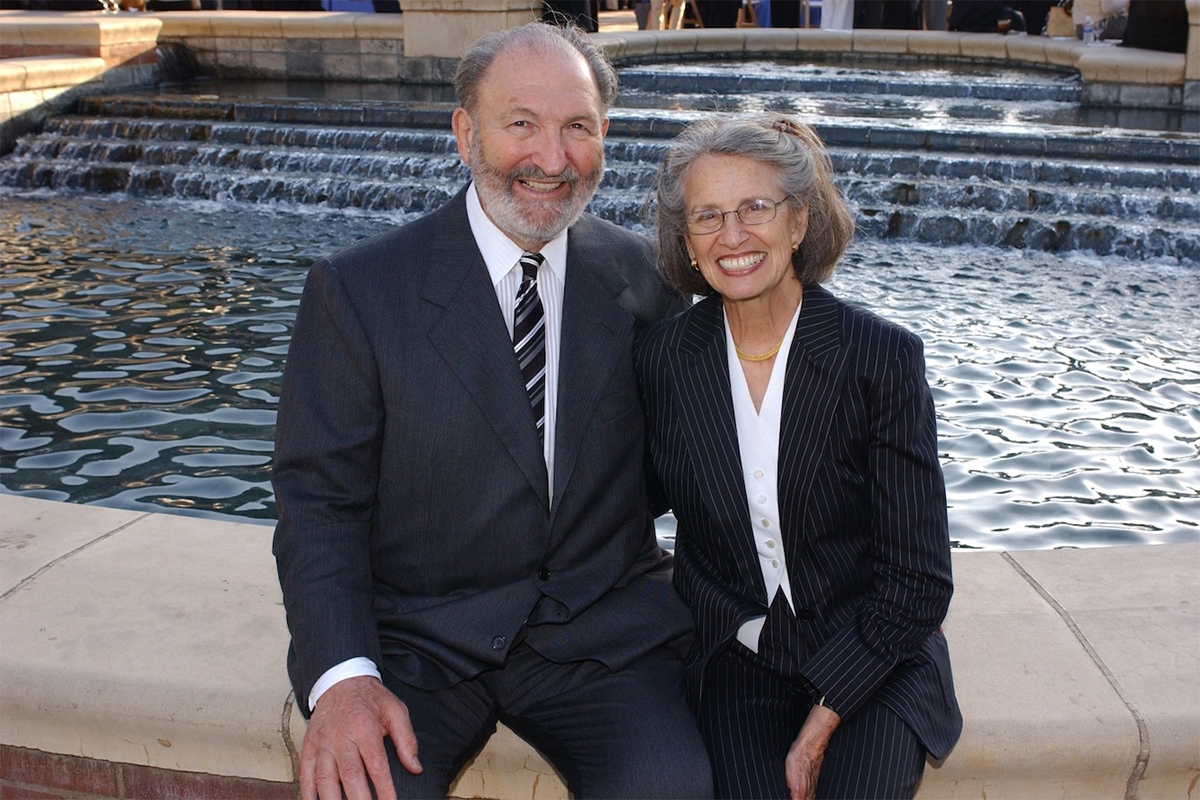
<point x="154" y="248"/>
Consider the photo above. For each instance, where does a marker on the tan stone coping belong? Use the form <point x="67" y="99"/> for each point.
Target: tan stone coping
<point x="158" y="640"/>
<point x="1097" y="63"/>
<point x="45" y="72"/>
<point x="282" y="25"/>
<point x="85" y="28"/>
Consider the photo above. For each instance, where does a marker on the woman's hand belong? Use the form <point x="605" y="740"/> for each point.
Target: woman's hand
<point x="804" y="758"/>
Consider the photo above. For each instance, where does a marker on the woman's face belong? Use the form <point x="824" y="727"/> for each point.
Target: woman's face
<point x="741" y="262"/>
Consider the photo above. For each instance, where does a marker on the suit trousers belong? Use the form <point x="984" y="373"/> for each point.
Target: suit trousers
<point x="624" y="734"/>
<point x="749" y="718"/>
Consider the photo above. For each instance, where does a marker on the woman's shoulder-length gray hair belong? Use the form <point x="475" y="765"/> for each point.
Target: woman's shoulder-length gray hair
<point x="805" y="176"/>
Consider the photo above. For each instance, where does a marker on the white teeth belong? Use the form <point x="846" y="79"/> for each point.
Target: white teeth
<point x="741" y="262"/>
<point x="542" y="187"/>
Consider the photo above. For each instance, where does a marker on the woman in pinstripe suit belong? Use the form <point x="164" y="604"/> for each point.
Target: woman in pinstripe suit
<point x="794" y="437"/>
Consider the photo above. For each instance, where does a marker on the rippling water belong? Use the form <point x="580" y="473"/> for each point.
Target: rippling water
<point x="141" y="346"/>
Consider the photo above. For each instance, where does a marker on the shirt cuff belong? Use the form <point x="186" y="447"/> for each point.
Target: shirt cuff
<point x="351" y="668"/>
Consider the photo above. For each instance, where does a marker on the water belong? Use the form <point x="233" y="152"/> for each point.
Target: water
<point x="153" y="250"/>
<point x="144" y="342"/>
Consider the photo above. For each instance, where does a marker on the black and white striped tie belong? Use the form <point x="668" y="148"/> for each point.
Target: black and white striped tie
<point x="529" y="338"/>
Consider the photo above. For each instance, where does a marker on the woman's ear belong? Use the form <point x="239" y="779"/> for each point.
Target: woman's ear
<point x="799" y="226"/>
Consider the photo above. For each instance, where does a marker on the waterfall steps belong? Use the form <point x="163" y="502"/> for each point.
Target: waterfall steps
<point x="1118" y="192"/>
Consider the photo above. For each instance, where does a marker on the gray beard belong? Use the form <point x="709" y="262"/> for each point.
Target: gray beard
<point x="496" y="196"/>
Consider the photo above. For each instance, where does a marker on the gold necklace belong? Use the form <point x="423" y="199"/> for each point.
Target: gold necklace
<point x="761" y="357"/>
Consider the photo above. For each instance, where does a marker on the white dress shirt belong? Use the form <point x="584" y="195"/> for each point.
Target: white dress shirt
<point x="758" y="443"/>
<point x="502" y="256"/>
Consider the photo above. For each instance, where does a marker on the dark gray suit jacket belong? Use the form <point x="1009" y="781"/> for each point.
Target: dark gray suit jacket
<point x="861" y="500"/>
<point x="414" y="526"/>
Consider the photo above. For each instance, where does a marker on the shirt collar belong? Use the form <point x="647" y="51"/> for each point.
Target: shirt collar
<point x="501" y="253"/>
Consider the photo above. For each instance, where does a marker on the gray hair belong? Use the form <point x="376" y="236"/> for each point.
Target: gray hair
<point x="568" y="39"/>
<point x="805" y="176"/>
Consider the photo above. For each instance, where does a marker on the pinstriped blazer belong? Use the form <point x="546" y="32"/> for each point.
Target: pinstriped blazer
<point x="861" y="496"/>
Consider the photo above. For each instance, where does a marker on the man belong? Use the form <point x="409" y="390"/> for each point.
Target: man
<point x="463" y="535"/>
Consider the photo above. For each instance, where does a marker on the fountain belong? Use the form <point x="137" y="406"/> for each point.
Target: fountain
<point x="155" y="244"/>
<point x="1044" y="250"/>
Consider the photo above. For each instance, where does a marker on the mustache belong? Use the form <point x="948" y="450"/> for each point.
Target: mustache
<point x="568" y="175"/>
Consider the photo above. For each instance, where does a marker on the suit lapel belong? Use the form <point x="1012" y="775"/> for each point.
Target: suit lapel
<point x="700" y="369"/>
<point x="470" y="335"/>
<point x="814" y="377"/>
<point x="596" y="331"/>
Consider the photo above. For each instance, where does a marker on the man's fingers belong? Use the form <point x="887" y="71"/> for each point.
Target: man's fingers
<point x="308" y="771"/>
<point x="343" y="746"/>
<point x="322" y="776"/>
<point x="399" y="728"/>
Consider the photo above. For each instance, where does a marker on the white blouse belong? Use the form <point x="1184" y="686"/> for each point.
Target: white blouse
<point x="758" y="443"/>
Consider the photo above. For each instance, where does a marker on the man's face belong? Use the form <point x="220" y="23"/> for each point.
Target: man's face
<point x="535" y="145"/>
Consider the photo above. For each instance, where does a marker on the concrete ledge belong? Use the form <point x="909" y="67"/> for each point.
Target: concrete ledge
<point x="153" y="645"/>
<point x="371" y="47"/>
<point x="51" y="58"/>
<point x="35" y="87"/>
<point x="118" y="39"/>
<point x="1127" y="65"/>
<point x="1095" y="63"/>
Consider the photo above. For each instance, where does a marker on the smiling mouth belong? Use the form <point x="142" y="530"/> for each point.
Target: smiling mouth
<point x="741" y="263"/>
<point x="540" y="186"/>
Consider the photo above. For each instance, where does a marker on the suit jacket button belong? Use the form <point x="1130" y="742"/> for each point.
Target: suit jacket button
<point x="544" y="575"/>
<point x="499" y="642"/>
<point x="804" y="614"/>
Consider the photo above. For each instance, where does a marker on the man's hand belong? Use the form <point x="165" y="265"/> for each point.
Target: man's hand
<point x="344" y="742"/>
<point x="804" y="759"/>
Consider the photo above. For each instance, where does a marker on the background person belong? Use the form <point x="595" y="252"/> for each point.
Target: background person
<point x="794" y="436"/>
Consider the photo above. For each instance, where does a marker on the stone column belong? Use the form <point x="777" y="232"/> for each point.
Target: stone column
<point x="438" y="32"/>
<point x="1191" y="71"/>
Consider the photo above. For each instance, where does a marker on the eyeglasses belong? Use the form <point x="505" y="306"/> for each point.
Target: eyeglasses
<point x="751" y="212"/>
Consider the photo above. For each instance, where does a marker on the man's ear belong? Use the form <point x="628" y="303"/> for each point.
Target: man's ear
<point x="604" y="128"/>
<point x="460" y="122"/>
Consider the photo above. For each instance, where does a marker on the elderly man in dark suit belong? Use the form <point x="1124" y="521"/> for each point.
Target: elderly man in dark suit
<point x="463" y="533"/>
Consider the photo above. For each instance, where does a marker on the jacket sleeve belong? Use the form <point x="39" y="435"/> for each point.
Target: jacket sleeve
<point x="327" y="444"/>
<point x="911" y="583"/>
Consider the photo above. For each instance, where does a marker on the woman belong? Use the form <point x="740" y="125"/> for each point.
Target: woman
<point x="794" y="437"/>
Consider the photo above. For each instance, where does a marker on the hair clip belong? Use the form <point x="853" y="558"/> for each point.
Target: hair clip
<point x="786" y="126"/>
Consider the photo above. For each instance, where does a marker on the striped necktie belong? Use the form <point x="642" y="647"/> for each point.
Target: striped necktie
<point x="529" y="338"/>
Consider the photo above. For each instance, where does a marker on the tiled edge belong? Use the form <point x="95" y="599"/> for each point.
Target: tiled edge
<point x="1131" y="630"/>
<point x="43" y="72"/>
<point x="179" y="667"/>
<point x="1112" y="64"/>
<point x="934" y="43"/>
<point x="880" y="41"/>
<point x="1027" y="49"/>
<point x="29" y="774"/>
<point x="814" y="39"/>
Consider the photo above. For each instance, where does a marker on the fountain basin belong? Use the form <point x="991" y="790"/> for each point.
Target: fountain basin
<point x="370" y="47"/>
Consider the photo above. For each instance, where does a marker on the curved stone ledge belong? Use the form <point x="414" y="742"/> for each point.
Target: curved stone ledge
<point x="144" y="652"/>
<point x="371" y="47"/>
